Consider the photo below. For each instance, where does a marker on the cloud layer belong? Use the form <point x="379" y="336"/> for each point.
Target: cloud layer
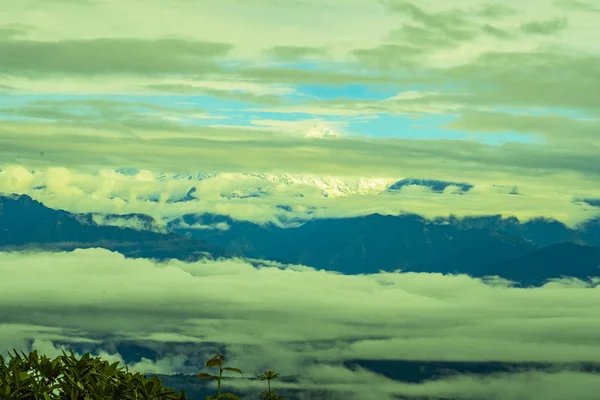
<point x="288" y="318"/>
<point x="287" y="197"/>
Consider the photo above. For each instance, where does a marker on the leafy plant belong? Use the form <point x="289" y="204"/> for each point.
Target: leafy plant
<point x="30" y="377"/>
<point x="270" y="394"/>
<point x="217" y="361"/>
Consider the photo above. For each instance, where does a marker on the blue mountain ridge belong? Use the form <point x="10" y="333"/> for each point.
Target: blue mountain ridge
<point x="477" y="246"/>
<point x="28" y="224"/>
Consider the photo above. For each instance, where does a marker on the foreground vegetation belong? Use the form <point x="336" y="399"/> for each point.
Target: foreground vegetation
<point x="32" y="377"/>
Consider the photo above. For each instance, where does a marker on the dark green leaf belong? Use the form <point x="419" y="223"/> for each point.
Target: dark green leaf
<point x="229" y="396"/>
<point x="239" y="371"/>
<point x="204" y="375"/>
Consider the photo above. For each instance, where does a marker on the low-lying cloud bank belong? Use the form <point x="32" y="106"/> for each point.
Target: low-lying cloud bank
<point x="234" y="194"/>
<point x="303" y="322"/>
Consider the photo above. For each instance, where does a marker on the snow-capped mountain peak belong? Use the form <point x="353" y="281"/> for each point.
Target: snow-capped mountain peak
<point x="319" y="131"/>
<point x="251" y="184"/>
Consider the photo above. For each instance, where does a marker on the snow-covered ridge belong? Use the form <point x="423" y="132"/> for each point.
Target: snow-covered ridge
<point x="198" y="176"/>
<point x="319" y="131"/>
<point x="260" y="184"/>
<point x="253" y="185"/>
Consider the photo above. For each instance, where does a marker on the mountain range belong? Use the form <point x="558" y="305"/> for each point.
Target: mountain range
<point x="477" y="246"/>
<point x="528" y="252"/>
<point x="262" y="184"/>
<point x="28" y="224"/>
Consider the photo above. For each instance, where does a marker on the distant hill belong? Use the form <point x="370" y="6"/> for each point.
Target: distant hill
<point x="541" y="231"/>
<point x="529" y="252"/>
<point x="26" y="223"/>
<point x="561" y="259"/>
<point x="477" y="246"/>
<point x="362" y="244"/>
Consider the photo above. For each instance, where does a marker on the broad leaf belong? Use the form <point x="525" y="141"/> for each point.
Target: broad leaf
<point x="239" y="371"/>
<point x="229" y="396"/>
<point x="213" y="362"/>
<point x="204" y="375"/>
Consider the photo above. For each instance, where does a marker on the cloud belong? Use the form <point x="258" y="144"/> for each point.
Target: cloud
<point x="295" y="52"/>
<point x="96" y="112"/>
<point x="388" y="57"/>
<point x="558" y="128"/>
<point x="222" y="226"/>
<point x="236" y="95"/>
<point x="151" y="141"/>
<point x="357" y="384"/>
<point x="290" y="318"/>
<point x="109" y="56"/>
<point x="434" y="30"/>
<point x="106" y="191"/>
<point x="545" y="27"/>
<point x="584" y="6"/>
<point x="469" y="56"/>
<point x="132" y="221"/>
<point x="10" y="31"/>
<point x="550" y="79"/>
<point x="410" y="102"/>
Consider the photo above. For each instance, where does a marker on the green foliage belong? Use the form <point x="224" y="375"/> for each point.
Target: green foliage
<point x="267" y="375"/>
<point x="33" y="377"/>
<point x="269" y="394"/>
<point x="30" y="377"/>
<point x="218" y="361"/>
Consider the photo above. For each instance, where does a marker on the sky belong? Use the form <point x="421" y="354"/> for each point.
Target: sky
<point x="496" y="95"/>
<point x="504" y="96"/>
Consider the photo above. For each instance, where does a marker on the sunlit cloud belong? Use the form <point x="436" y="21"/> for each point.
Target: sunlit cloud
<point x="259" y="197"/>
